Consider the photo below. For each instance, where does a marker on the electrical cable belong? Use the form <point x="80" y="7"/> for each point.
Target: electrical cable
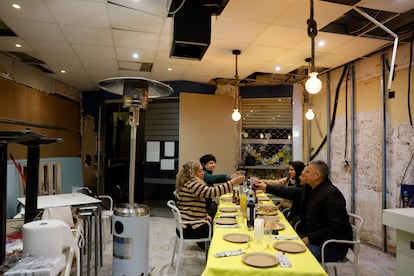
<point x="312" y="32"/>
<point x="406" y="168"/>
<point x="409" y="79"/>
<point x="333" y="112"/>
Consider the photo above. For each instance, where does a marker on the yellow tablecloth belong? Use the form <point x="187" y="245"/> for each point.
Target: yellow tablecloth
<point x="302" y="263"/>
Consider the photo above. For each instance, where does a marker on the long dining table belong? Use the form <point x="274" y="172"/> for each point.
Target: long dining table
<point x="303" y="263"/>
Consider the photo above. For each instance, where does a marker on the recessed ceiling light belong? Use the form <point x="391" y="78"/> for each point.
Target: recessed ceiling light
<point x="321" y="43"/>
<point x="63" y="71"/>
<point x="16" y="6"/>
<point x="277" y="68"/>
<point x="135" y="55"/>
<point x="18" y="45"/>
<point x="169" y="69"/>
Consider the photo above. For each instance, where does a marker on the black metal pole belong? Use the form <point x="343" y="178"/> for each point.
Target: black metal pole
<point x="32" y="183"/>
<point x="3" y="201"/>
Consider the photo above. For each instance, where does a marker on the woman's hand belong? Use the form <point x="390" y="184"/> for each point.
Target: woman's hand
<point x="208" y="218"/>
<point x="306" y="240"/>
<point x="238" y="180"/>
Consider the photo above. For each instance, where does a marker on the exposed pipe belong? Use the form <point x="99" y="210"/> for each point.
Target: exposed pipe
<point x="98" y="152"/>
<point x="394" y="50"/>
<point x="410" y="63"/>
<point x="328" y="118"/>
<point x="384" y="148"/>
<point x="353" y="190"/>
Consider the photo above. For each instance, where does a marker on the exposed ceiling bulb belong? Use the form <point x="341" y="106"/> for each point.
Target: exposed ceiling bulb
<point x="236" y="116"/>
<point x="313" y="85"/>
<point x="309" y="114"/>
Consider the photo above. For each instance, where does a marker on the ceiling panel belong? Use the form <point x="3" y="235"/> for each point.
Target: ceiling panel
<point x="359" y="47"/>
<point x="8" y="43"/>
<point x="38" y="30"/>
<point x="88" y="51"/>
<point x="127" y="19"/>
<point x="388" y="5"/>
<point x="86" y="35"/>
<point x="79" y="13"/>
<point x="138" y="40"/>
<point x="34" y="10"/>
<point x="94" y="36"/>
<point x="283" y="37"/>
<point x="237" y="29"/>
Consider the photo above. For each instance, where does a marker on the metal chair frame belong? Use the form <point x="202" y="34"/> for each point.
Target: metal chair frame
<point x="356" y="223"/>
<point x="179" y="238"/>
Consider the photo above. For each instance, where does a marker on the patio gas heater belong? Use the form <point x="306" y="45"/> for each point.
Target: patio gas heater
<point x="131" y="220"/>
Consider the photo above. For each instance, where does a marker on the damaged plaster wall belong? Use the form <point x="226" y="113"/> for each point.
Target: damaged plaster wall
<point x="369" y="143"/>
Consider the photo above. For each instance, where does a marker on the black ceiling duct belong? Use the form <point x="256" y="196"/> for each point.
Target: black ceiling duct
<point x="192" y="31"/>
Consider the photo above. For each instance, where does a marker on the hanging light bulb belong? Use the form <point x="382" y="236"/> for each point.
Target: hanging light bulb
<point x="313" y="85"/>
<point x="236" y="116"/>
<point x="309" y="114"/>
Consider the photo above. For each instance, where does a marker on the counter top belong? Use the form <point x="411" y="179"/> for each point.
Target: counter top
<point x="400" y="218"/>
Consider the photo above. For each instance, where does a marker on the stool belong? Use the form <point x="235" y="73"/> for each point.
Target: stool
<point x="90" y="217"/>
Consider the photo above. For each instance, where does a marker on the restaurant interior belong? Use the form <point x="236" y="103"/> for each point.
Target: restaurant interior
<point x="255" y="84"/>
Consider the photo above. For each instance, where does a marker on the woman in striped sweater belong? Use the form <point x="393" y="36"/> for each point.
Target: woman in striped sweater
<point x="192" y="191"/>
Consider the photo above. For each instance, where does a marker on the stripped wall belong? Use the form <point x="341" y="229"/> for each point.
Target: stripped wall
<point x="368" y="133"/>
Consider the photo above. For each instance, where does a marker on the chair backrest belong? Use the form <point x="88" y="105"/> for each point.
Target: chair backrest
<point x="356" y="223"/>
<point x="177" y="216"/>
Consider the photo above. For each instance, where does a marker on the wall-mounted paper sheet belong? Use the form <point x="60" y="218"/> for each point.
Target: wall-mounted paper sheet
<point x="167" y="164"/>
<point x="169" y="149"/>
<point x="153" y="151"/>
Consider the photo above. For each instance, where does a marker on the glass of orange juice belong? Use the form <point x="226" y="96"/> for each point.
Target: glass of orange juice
<point x="243" y="205"/>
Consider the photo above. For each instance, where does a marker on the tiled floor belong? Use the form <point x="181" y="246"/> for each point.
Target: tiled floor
<point x="372" y="261"/>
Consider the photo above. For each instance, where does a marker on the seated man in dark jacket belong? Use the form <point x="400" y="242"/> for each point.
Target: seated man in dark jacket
<point x="323" y="209"/>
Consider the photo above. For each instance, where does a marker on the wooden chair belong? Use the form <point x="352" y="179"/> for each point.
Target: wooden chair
<point x="356" y="223"/>
<point x="179" y="239"/>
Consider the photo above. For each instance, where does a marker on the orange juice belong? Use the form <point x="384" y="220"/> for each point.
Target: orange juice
<point x="243" y="205"/>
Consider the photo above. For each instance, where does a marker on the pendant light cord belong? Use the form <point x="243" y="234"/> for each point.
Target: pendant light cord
<point x="312" y="32"/>
<point x="236" y="76"/>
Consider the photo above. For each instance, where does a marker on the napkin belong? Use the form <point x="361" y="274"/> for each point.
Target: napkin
<point x="227" y="226"/>
<point x="228" y="215"/>
<point x="228" y="253"/>
<point x="285" y="238"/>
<point x="283" y="260"/>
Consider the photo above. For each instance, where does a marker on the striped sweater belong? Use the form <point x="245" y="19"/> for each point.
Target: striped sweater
<point x="191" y="198"/>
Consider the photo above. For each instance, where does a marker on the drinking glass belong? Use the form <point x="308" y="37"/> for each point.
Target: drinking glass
<point x="268" y="237"/>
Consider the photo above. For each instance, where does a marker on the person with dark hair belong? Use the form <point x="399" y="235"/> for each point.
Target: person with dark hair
<point x="324" y="209"/>
<point x="192" y="193"/>
<point x="208" y="161"/>
<point x="292" y="180"/>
